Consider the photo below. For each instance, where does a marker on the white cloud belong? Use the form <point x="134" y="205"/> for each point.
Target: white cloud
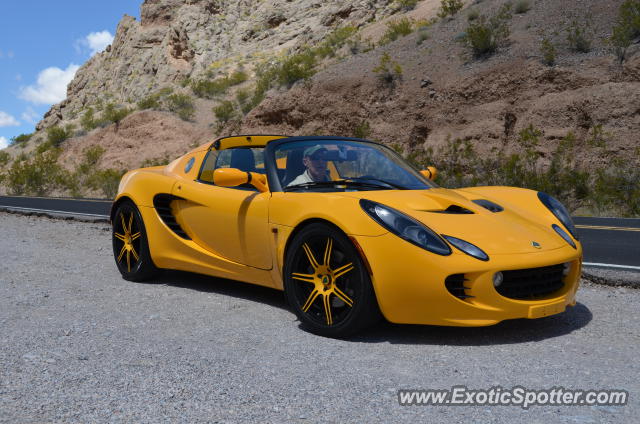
<point x="30" y="115"/>
<point x="7" y="120"/>
<point x="51" y="86"/>
<point x="3" y="142"/>
<point x="95" y="41"/>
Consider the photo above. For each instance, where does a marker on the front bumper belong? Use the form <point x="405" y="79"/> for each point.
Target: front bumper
<point x="410" y="284"/>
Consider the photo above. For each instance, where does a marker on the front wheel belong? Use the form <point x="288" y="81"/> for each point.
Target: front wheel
<point x="326" y="283"/>
<point x="130" y="244"/>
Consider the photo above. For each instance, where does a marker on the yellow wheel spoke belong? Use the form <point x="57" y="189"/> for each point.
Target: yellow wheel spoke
<point x="135" y="254"/>
<point x="129" y="260"/>
<point x="342" y="270"/>
<point x="124" y="226"/>
<point x="135" y="236"/>
<point x="124" y="249"/>
<point x="303" y="277"/>
<point x="327" y="309"/>
<point x="346" y="299"/>
<point x="327" y="251"/>
<point x="312" y="297"/>
<point x="119" y="236"/>
<point x="310" y="256"/>
<point x="130" y="223"/>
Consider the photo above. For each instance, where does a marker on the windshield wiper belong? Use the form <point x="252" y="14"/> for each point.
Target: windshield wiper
<point x="312" y="184"/>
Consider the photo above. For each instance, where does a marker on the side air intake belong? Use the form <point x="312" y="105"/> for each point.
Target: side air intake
<point x="162" y="204"/>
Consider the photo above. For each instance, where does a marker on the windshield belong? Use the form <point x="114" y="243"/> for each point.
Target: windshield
<point x="339" y="165"/>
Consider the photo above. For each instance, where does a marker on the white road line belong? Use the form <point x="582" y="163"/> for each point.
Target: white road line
<point x="53" y="211"/>
<point x="611" y="265"/>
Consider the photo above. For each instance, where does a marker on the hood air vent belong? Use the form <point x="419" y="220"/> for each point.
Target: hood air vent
<point x="489" y="205"/>
<point x="453" y="209"/>
<point x="162" y="204"/>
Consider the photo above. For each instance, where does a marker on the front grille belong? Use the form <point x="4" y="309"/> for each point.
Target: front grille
<point x="455" y="285"/>
<point x="531" y="283"/>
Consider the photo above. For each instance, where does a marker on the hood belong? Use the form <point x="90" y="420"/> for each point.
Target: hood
<point x="448" y="212"/>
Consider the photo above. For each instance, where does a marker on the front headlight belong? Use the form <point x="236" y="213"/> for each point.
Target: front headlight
<point x="468" y="248"/>
<point x="405" y="227"/>
<point x="559" y="211"/>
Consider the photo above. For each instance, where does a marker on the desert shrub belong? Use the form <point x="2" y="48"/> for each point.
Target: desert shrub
<point x="407" y="5"/>
<point x="106" y="181"/>
<point x="37" y="175"/>
<point x="212" y="88"/>
<point x="578" y="37"/>
<point x="4" y="158"/>
<point x="522" y="6"/>
<point x="484" y="35"/>
<point x="225" y="111"/>
<point x="88" y="120"/>
<point x="449" y="8"/>
<point x="150" y="102"/>
<point x="296" y="67"/>
<point x="548" y="51"/>
<point x="362" y="130"/>
<point x="597" y="137"/>
<point x="388" y="70"/>
<point x="473" y="15"/>
<point x="627" y="27"/>
<point x="22" y="138"/>
<point x="158" y="161"/>
<point x="56" y="135"/>
<point x="396" y="29"/>
<point x="182" y="104"/>
<point x="114" y="114"/>
<point x="334" y="41"/>
<point x="423" y="35"/>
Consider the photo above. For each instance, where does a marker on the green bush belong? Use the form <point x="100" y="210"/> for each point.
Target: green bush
<point x="449" y="8"/>
<point x="423" y="35"/>
<point x="626" y="29"/>
<point x="212" y="88"/>
<point x="182" y="104"/>
<point x="296" y="67"/>
<point x="522" y="6"/>
<point x="36" y="176"/>
<point x="150" y="102"/>
<point x="473" y="15"/>
<point x="22" y="138"/>
<point x="159" y="161"/>
<point x="114" y="114"/>
<point x="362" y="130"/>
<point x="484" y="35"/>
<point x="578" y="37"/>
<point x="56" y="135"/>
<point x="388" y="71"/>
<point x="396" y="29"/>
<point x="225" y="111"/>
<point x="548" y="51"/>
<point x="106" y="181"/>
<point x="334" y="41"/>
<point x="88" y="120"/>
<point x="4" y="158"/>
<point x="407" y="5"/>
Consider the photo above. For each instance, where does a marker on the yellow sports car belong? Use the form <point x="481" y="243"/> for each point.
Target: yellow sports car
<point x="350" y="232"/>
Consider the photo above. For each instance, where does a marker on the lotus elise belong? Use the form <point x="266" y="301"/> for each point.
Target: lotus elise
<point x="350" y="232"/>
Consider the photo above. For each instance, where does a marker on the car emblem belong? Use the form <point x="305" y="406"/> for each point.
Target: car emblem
<point x="536" y="244"/>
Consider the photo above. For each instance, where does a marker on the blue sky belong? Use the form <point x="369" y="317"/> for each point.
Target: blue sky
<point x="42" y="42"/>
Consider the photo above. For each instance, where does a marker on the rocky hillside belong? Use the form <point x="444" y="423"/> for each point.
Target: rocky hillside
<point x="549" y="105"/>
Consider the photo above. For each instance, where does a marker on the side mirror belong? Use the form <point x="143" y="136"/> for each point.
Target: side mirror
<point x="431" y="172"/>
<point x="233" y="177"/>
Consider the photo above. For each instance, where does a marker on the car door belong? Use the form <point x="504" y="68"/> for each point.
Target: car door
<point x="231" y="222"/>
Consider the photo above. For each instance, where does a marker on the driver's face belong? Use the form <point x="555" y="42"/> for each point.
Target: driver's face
<point x="316" y="164"/>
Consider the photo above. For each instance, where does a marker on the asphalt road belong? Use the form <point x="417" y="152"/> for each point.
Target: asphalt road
<point x="608" y="242"/>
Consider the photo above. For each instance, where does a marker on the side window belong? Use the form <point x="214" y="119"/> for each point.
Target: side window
<point x="243" y="158"/>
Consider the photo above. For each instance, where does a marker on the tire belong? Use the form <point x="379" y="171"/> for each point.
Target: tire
<point x="326" y="283"/>
<point x="130" y="244"/>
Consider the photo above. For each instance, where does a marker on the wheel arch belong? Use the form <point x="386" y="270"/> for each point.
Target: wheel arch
<point x="116" y="203"/>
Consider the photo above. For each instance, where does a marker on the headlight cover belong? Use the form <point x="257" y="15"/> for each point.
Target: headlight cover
<point x="405" y="227"/>
<point x="562" y="233"/>
<point x="468" y="248"/>
<point x="559" y="211"/>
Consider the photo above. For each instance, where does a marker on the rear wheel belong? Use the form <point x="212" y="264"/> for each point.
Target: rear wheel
<point x="130" y="244"/>
<point x="326" y="283"/>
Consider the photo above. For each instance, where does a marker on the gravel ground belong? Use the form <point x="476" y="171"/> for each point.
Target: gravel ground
<point x="79" y="344"/>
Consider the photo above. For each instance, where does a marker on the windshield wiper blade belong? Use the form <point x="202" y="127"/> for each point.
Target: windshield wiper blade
<point x="388" y="183"/>
<point x="333" y="183"/>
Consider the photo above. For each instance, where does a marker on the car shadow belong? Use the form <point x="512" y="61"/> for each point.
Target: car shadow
<point x="223" y="286"/>
<point x="506" y="332"/>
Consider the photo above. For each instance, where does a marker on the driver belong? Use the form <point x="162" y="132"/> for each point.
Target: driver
<point x="315" y="161"/>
